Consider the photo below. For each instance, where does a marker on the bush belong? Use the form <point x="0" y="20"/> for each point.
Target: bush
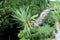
<point x="37" y="33"/>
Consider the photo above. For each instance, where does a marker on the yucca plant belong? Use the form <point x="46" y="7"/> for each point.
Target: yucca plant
<point x="24" y="15"/>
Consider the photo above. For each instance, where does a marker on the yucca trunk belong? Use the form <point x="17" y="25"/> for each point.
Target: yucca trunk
<point x="57" y="33"/>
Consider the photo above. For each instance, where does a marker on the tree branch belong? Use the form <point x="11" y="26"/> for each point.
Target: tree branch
<point x="42" y="16"/>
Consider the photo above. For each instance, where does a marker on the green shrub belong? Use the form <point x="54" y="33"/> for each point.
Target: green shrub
<point x="37" y="33"/>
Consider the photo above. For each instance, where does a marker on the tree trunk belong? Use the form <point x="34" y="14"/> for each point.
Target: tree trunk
<point x="42" y="16"/>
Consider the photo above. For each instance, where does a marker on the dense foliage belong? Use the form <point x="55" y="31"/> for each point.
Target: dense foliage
<point x="22" y="12"/>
